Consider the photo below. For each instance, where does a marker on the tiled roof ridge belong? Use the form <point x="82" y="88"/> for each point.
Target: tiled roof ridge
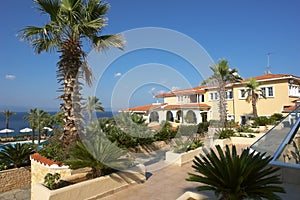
<point x="43" y="160"/>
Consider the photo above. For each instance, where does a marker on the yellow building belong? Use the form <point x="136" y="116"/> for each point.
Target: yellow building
<point x="199" y="104"/>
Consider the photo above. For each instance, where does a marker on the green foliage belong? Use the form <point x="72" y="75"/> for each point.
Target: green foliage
<point x="260" y="121"/>
<point x="53" y="150"/>
<point x="165" y="133"/>
<point x="203" y="127"/>
<point x="180" y="145"/>
<point x="276" y="117"/>
<point x="187" y="130"/>
<point x="16" y="155"/>
<point x="232" y="176"/>
<point x="245" y="129"/>
<point x="98" y="153"/>
<point x="3" y="166"/>
<point x="195" y="144"/>
<point x="225" y="133"/>
<point x="52" y="180"/>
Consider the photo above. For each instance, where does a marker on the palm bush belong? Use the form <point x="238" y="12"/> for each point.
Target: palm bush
<point x="236" y="177"/>
<point x="16" y="155"/>
<point x="99" y="154"/>
<point x="225" y="133"/>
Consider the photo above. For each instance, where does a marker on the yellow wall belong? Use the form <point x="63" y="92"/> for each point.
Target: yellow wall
<point x="170" y="100"/>
<point x="265" y="107"/>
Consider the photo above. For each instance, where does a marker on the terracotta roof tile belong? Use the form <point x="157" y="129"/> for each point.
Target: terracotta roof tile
<point x="146" y="107"/>
<point x="288" y="108"/>
<point x="190" y="105"/>
<point x="39" y="158"/>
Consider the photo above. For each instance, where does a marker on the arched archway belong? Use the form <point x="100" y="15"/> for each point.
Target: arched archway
<point x="179" y="116"/>
<point x="191" y="117"/>
<point x="154" y="117"/>
<point x="169" y="116"/>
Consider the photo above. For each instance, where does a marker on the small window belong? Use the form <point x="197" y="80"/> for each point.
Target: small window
<point x="242" y="94"/>
<point x="270" y="92"/>
<point x="263" y="91"/>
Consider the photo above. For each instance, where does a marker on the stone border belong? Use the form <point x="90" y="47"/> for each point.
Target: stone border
<point x="182" y="158"/>
<point x="94" y="188"/>
<point x="15" y="178"/>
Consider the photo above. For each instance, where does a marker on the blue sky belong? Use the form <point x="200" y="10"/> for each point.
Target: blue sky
<point x="243" y="32"/>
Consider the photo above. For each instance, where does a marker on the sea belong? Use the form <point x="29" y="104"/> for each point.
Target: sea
<point x="17" y="122"/>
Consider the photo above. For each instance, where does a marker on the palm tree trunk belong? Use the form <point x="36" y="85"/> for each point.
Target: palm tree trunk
<point x="254" y="108"/>
<point x="69" y="71"/>
<point x="222" y="104"/>
<point x="32" y="135"/>
<point x="6" y="122"/>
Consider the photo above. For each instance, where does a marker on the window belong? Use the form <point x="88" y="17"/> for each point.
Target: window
<point x="213" y="96"/>
<point x="242" y="94"/>
<point x="267" y="91"/>
<point x="294" y="90"/>
<point x="229" y="94"/>
<point x="270" y="91"/>
<point x="202" y="98"/>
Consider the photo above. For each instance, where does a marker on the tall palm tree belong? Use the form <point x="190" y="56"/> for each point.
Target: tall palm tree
<point x="7" y="114"/>
<point x="42" y="120"/>
<point x="222" y="74"/>
<point x="92" y="104"/>
<point x="71" y="23"/>
<point x="31" y="118"/>
<point x="253" y="93"/>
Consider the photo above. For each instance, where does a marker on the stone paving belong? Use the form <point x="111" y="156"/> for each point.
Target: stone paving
<point x="17" y="194"/>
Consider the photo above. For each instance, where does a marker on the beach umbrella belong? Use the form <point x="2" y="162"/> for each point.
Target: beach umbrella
<point x="47" y="128"/>
<point x="6" y="131"/>
<point x="26" y="130"/>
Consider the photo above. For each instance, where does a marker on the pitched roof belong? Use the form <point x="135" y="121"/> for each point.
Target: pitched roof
<point x="271" y="76"/>
<point x="190" y="105"/>
<point x="194" y="90"/>
<point x="145" y="107"/>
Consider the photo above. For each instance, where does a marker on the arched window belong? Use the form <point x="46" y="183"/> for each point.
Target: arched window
<point x="191" y="117"/>
<point x="170" y="116"/>
<point x="154" y="117"/>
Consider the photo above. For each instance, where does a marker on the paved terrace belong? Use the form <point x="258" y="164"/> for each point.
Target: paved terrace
<point x="164" y="182"/>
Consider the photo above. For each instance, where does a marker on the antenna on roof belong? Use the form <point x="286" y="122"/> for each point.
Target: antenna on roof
<point x="268" y="64"/>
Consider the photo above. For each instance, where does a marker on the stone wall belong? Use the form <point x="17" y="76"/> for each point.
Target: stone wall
<point x="40" y="166"/>
<point x="14" y="178"/>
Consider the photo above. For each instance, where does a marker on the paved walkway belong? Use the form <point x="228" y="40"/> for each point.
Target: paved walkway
<point x="164" y="182"/>
<point x="18" y="194"/>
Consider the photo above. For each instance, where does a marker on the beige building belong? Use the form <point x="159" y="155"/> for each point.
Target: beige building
<point x="200" y="104"/>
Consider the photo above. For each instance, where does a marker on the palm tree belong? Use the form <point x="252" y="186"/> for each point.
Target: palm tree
<point x="42" y="120"/>
<point x="236" y="177"/>
<point x="253" y="93"/>
<point x="31" y="118"/>
<point x="71" y="23"/>
<point x="92" y="104"/>
<point x="7" y="114"/>
<point x="222" y="74"/>
<point x="16" y="154"/>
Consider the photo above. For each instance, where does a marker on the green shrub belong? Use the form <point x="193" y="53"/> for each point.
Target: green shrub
<point x="245" y="129"/>
<point x="54" y="150"/>
<point x="195" y="144"/>
<point x="203" y="127"/>
<point x="165" y="133"/>
<point x="225" y="133"/>
<point x="261" y="121"/>
<point x="187" y="130"/>
<point x="52" y="180"/>
<point x="276" y="117"/>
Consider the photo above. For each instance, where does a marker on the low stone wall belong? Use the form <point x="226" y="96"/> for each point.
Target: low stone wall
<point x="94" y="188"/>
<point x="14" y="178"/>
<point x="40" y="166"/>
<point x="182" y="158"/>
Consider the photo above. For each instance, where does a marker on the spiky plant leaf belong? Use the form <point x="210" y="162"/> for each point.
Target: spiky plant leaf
<point x="236" y="176"/>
